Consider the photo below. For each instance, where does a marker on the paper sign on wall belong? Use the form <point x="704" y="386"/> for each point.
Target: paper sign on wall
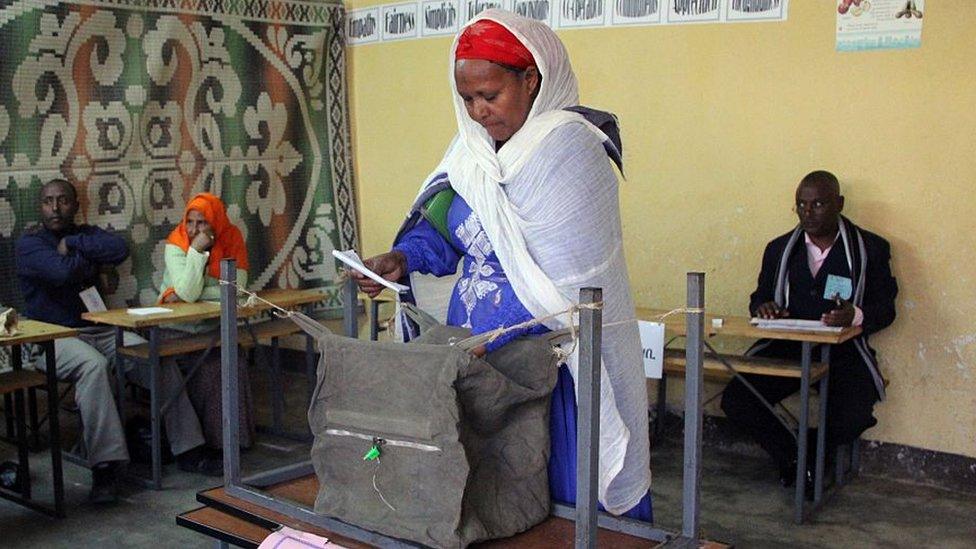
<point x="652" y="345"/>
<point x="879" y="24"/>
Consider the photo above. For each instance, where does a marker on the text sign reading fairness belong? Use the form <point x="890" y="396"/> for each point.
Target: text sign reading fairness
<point x="432" y="18"/>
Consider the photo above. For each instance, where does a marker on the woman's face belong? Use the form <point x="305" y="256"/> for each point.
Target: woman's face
<point x="495" y="97"/>
<point x="195" y="223"/>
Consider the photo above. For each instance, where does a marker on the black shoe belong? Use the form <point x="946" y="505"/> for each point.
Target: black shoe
<point x="202" y="461"/>
<point x="787" y="477"/>
<point x="10" y="476"/>
<point x="138" y="438"/>
<point x="105" y="483"/>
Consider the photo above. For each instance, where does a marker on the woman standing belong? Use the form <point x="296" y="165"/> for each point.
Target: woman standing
<point x="525" y="200"/>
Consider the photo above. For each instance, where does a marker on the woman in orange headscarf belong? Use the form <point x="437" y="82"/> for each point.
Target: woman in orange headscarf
<point x="195" y="248"/>
<point x="193" y="253"/>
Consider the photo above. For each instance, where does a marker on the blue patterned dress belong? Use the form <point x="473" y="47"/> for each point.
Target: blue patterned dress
<point x="483" y="300"/>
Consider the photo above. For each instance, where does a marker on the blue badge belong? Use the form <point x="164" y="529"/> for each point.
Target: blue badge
<point x="838" y="285"/>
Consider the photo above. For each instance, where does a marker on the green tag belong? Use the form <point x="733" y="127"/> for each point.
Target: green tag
<point x="373" y="453"/>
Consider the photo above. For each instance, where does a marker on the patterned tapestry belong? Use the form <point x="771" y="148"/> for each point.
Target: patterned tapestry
<point x="143" y="103"/>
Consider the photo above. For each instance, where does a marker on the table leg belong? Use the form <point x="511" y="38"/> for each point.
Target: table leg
<point x="120" y="374"/>
<point x="277" y="388"/>
<point x="822" y="426"/>
<point x="662" y="405"/>
<point x="21" y="424"/>
<point x="154" y="407"/>
<point x="801" y="434"/>
<point x="8" y="409"/>
<point x="32" y="410"/>
<point x="374" y="320"/>
<point x="839" y="466"/>
<point x="53" y="407"/>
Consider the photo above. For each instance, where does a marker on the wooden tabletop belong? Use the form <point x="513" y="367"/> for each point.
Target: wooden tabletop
<point x="740" y="326"/>
<point x="202" y="310"/>
<point x="553" y="532"/>
<point x="35" y="331"/>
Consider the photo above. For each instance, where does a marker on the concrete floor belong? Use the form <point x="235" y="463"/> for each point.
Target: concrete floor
<point x="742" y="503"/>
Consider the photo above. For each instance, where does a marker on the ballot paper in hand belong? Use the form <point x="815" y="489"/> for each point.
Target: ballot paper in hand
<point x="351" y="258"/>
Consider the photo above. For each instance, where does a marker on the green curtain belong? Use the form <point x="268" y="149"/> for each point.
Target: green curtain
<point x="143" y="103"/>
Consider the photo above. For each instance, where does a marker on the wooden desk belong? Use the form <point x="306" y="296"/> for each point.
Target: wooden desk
<point x="181" y="313"/>
<point x="44" y="334"/>
<point x="740" y="326"/>
<point x="245" y="524"/>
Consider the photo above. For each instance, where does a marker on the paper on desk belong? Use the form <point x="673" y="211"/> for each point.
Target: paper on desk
<point x="351" y="258"/>
<point x="793" y="325"/>
<point x="144" y="311"/>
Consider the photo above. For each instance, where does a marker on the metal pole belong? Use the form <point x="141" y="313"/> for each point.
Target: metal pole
<point x="228" y="372"/>
<point x="588" y="418"/>
<point x="694" y="389"/>
<point x="350" y="308"/>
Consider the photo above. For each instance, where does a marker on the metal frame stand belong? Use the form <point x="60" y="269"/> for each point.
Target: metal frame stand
<point x="587" y="518"/>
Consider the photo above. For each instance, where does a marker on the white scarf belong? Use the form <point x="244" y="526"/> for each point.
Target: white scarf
<point x="478" y="174"/>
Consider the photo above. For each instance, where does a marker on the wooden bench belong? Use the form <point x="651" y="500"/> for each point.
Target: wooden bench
<point x="17" y="380"/>
<point x="674" y="364"/>
<point x="279" y="327"/>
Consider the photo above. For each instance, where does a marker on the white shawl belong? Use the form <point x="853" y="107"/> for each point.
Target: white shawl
<point x="512" y="193"/>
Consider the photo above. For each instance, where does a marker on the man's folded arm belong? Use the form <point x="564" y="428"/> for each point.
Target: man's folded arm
<point x="37" y="259"/>
<point x="98" y="245"/>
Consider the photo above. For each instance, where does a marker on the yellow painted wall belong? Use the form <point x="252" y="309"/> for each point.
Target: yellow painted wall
<point x="719" y="123"/>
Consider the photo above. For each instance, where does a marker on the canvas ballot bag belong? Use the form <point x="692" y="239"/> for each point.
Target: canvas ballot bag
<point x="463" y="442"/>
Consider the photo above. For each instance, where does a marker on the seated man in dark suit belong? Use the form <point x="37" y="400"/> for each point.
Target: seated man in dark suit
<point x="825" y="254"/>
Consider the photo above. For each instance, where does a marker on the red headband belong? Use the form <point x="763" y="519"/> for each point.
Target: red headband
<point x="486" y="39"/>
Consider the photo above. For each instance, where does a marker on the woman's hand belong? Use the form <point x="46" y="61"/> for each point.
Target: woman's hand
<point x="391" y="266"/>
<point x="479" y="351"/>
<point x="203" y="240"/>
<point x="172" y="298"/>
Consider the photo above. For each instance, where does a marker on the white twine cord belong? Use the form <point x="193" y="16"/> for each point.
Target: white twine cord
<point x="375" y="487"/>
<point x="253" y="299"/>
